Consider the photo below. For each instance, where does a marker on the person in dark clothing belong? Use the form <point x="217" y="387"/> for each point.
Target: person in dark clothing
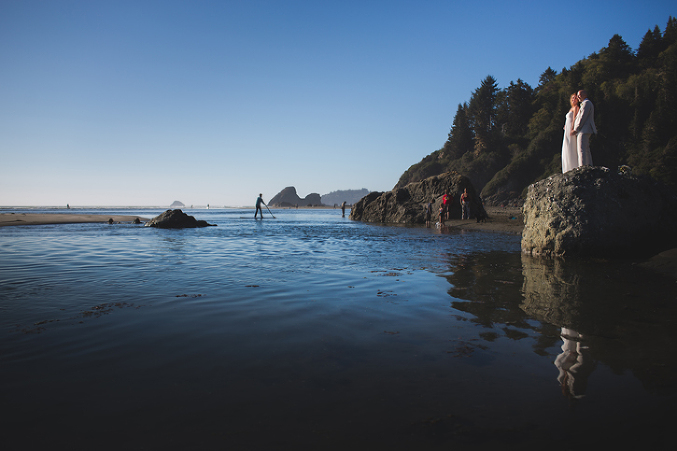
<point x="259" y="201"/>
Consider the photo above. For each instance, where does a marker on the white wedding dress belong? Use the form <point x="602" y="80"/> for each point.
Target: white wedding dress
<point x="569" y="150"/>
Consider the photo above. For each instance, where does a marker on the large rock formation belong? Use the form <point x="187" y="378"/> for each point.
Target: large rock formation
<point x="176" y="219"/>
<point x="288" y="198"/>
<point x="405" y="205"/>
<point x="598" y="212"/>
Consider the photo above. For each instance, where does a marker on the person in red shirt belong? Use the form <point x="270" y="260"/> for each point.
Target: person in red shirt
<point x="447" y="199"/>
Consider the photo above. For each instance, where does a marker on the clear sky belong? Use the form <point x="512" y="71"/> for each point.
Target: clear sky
<point x="140" y="103"/>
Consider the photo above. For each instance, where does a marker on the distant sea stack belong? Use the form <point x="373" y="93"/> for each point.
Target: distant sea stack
<point x="176" y="204"/>
<point x="288" y="198"/>
<point x="349" y="196"/>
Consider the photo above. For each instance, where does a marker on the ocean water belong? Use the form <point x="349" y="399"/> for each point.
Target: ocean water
<point x="311" y="331"/>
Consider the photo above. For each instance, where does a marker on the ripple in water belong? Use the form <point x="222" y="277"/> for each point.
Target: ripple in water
<point x="313" y="331"/>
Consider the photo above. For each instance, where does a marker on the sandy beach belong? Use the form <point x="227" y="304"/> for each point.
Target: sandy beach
<point x="13" y="219"/>
<point x="501" y="219"/>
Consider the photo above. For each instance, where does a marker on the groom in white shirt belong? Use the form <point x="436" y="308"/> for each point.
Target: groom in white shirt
<point x="584" y="126"/>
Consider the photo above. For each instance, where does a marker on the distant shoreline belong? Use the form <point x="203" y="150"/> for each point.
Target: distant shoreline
<point x="19" y="219"/>
<point x="501" y="219"/>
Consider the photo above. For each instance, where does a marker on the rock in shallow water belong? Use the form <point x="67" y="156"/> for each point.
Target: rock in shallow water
<point x="593" y="211"/>
<point x="176" y="219"/>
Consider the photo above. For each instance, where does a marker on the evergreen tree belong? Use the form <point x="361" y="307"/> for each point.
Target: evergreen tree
<point x="616" y="58"/>
<point x="650" y="47"/>
<point x="516" y="109"/>
<point x="461" y="137"/>
<point x="482" y="114"/>
<point x="670" y="35"/>
<point x="546" y="77"/>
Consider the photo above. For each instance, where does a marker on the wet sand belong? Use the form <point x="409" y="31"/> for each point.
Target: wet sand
<point x="12" y="219"/>
<point x="500" y="219"/>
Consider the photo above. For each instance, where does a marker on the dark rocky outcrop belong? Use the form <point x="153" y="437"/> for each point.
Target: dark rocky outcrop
<point x="406" y="205"/>
<point x="593" y="211"/>
<point x="176" y="219"/>
<point x="288" y="198"/>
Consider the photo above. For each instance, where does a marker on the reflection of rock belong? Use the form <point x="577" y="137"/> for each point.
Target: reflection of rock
<point x="551" y="291"/>
<point x="176" y="219"/>
<point x="405" y="205"/>
<point x="626" y="313"/>
<point x="595" y="211"/>
<point x="482" y="285"/>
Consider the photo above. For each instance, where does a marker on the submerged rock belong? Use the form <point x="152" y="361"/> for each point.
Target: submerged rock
<point x="593" y="211"/>
<point x="406" y="205"/>
<point x="176" y="219"/>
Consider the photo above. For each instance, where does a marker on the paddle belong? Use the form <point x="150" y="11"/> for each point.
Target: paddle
<point x="271" y="213"/>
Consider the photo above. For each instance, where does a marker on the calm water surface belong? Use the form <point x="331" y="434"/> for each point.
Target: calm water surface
<point x="311" y="331"/>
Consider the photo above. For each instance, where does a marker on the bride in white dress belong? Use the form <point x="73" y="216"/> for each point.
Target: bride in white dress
<point x="569" y="151"/>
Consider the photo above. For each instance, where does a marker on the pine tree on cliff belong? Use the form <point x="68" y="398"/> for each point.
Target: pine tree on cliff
<point x="651" y="46"/>
<point x="482" y="114"/>
<point x="515" y="109"/>
<point x="461" y="138"/>
<point x="547" y="76"/>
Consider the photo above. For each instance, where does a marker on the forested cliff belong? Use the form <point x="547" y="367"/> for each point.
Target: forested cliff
<point x="503" y="140"/>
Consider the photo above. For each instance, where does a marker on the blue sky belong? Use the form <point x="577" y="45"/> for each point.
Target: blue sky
<point x="140" y="103"/>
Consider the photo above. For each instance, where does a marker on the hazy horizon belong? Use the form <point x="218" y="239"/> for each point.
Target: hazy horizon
<point x="169" y="205"/>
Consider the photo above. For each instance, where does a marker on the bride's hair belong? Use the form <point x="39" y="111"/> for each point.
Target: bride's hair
<point x="573" y="101"/>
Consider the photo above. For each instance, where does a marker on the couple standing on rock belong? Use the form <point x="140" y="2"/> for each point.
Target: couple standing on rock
<point x="578" y="126"/>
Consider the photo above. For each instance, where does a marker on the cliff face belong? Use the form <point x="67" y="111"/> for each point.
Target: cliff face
<point x="289" y="198"/>
<point x="406" y="205"/>
<point x="594" y="211"/>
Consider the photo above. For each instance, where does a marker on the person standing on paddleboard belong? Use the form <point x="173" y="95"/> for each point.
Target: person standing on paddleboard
<point x="259" y="201"/>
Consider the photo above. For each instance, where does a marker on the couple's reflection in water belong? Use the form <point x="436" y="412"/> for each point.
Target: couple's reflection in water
<point x="552" y="294"/>
<point x="574" y="365"/>
<point x="589" y="312"/>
